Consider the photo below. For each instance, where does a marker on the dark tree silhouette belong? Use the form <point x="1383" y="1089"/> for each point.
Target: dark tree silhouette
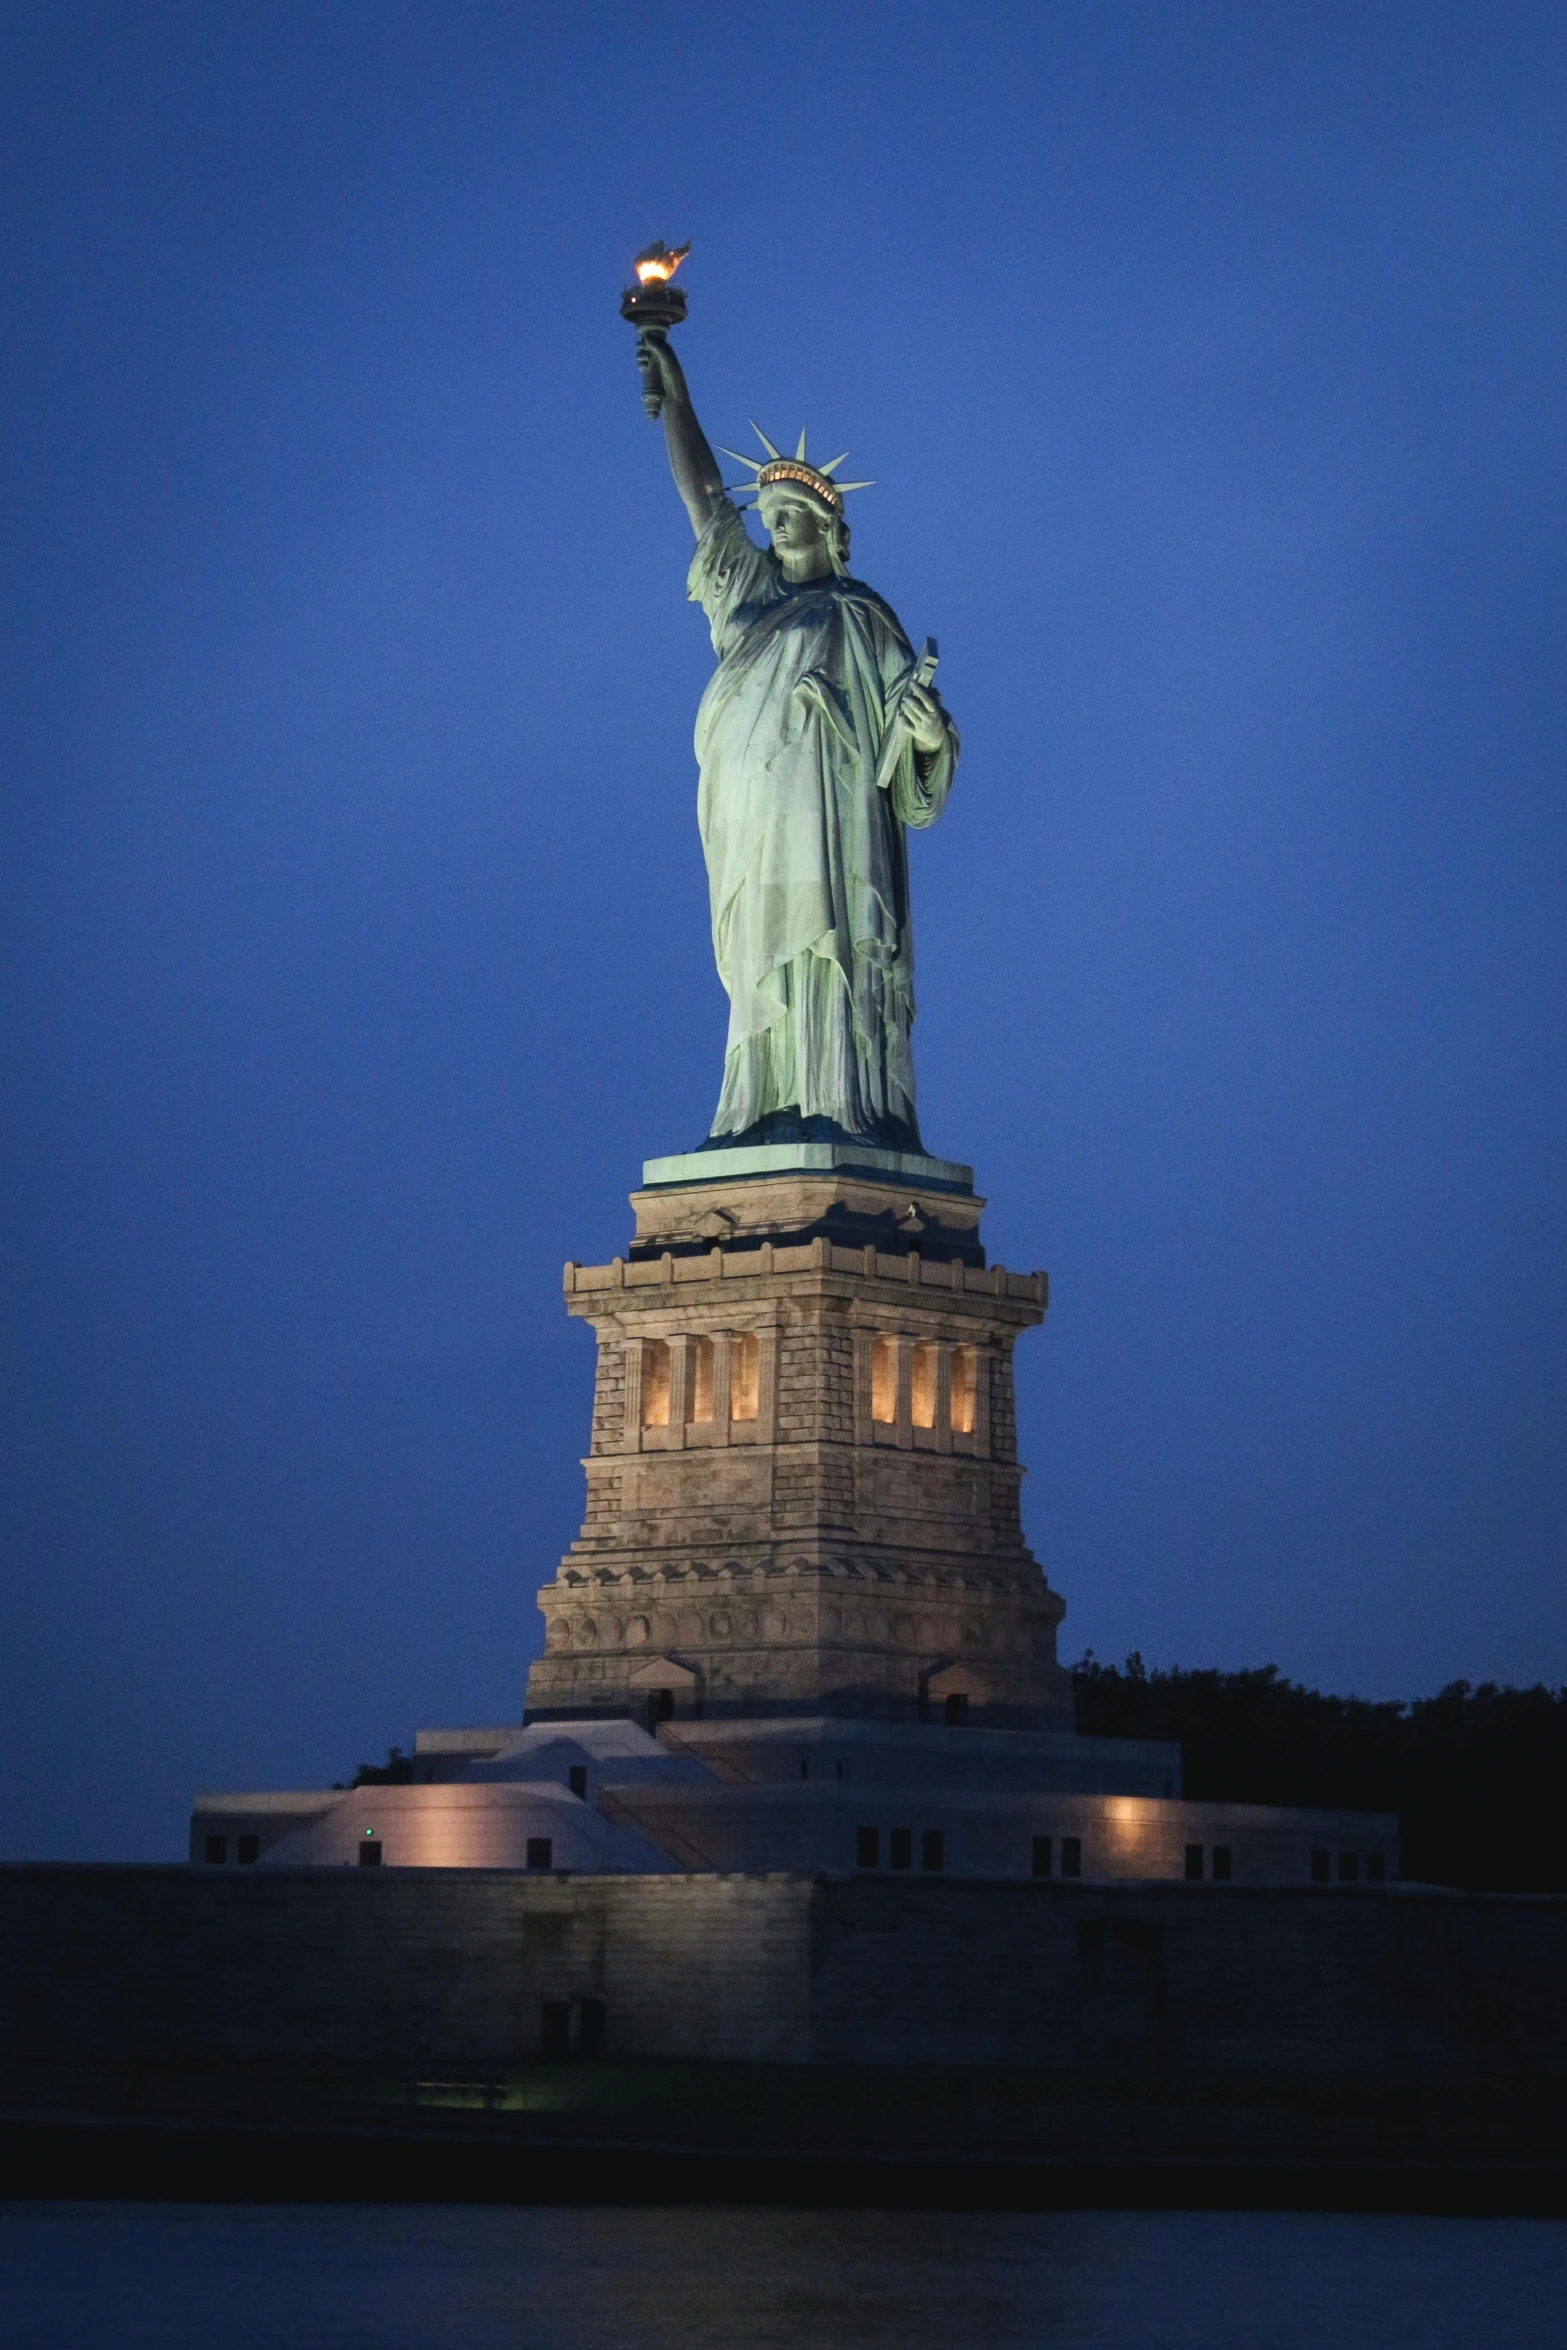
<point x="1477" y="1776"/>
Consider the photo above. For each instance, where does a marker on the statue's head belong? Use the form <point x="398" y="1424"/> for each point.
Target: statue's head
<point x="800" y="504"/>
<point x="799" y="523"/>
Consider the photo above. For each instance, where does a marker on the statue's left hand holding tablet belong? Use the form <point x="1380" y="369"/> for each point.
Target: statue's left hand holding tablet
<point x="921" y="712"/>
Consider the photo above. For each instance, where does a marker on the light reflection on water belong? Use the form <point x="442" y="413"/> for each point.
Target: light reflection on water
<point x="357" y="2277"/>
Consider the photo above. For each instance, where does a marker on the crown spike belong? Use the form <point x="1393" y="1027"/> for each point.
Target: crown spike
<point x="800" y="451"/>
<point x="762" y="437"/>
<point x="853" y="485"/>
<point x="832" y="464"/>
<point x="741" y="458"/>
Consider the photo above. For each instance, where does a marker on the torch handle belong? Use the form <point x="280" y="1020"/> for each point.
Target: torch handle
<point x="652" y="397"/>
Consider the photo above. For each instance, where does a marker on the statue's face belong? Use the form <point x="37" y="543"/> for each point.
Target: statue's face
<point x="798" y="524"/>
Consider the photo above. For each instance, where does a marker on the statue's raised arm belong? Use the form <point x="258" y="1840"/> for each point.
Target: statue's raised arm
<point x="691" y="461"/>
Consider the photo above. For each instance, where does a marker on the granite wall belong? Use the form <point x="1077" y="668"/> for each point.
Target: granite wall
<point x="451" y="1967"/>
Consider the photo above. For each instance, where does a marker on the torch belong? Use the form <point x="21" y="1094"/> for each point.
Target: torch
<point x="655" y="304"/>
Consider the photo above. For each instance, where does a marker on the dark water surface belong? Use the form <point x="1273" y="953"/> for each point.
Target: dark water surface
<point x="185" y="2277"/>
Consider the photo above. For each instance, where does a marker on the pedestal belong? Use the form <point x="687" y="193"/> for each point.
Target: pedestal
<point x="803" y="1477"/>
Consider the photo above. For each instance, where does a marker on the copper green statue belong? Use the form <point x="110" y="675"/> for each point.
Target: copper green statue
<point x="819" y="738"/>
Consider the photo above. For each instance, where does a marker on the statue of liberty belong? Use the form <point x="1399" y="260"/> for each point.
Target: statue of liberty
<point x="819" y="738"/>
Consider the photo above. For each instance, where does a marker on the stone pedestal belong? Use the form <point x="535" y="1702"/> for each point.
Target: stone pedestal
<point x="803" y="1480"/>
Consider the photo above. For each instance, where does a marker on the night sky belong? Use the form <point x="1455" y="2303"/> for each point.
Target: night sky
<point x="1209" y="363"/>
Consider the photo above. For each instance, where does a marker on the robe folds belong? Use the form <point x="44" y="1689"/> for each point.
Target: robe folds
<point x="806" y="866"/>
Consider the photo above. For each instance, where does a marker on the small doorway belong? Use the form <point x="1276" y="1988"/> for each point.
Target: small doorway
<point x="572" y="2028"/>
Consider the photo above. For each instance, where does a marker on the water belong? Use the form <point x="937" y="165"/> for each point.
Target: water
<point x="357" y="2277"/>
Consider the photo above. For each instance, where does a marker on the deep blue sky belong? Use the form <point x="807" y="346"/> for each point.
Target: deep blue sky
<point x="1209" y="361"/>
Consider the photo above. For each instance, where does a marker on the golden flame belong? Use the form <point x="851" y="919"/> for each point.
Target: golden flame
<point x="658" y="265"/>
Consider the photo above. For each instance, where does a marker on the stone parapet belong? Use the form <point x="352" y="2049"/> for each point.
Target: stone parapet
<point x="984" y="1284"/>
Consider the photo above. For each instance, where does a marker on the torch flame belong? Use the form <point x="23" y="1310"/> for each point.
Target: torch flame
<point x="658" y="264"/>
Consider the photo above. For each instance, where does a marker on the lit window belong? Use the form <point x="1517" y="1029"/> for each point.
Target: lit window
<point x="884" y="1381"/>
<point x="867" y="1845"/>
<point x="655" y="1383"/>
<point x="922" y="1386"/>
<point x="933" y="1848"/>
<point x="965" y="1386"/>
<point x="699" y="1398"/>
<point x="1194" y="1860"/>
<point x="900" y="1848"/>
<point x="541" y="1850"/>
<point x="1071" y="1856"/>
<point x="745" y="1375"/>
<point x="1042" y="1856"/>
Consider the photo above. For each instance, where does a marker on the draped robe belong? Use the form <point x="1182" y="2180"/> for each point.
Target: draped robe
<point x="806" y="866"/>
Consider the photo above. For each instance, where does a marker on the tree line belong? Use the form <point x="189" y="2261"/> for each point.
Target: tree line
<point x="1476" y="1775"/>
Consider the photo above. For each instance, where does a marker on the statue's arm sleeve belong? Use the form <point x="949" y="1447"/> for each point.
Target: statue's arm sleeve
<point x="728" y="570"/>
<point x="921" y="781"/>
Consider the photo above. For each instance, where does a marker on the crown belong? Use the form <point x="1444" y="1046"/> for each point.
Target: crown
<point x="777" y="467"/>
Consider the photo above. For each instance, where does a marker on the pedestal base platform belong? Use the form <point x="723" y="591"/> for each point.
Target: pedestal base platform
<point x="789" y="1193"/>
<point x="815" y="1158"/>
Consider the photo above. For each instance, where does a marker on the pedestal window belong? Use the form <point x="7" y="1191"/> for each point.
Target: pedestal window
<point x="922" y="1385"/>
<point x="965" y="1387"/>
<point x="745" y="1375"/>
<point x="699" y="1396"/>
<point x="884" y="1381"/>
<point x="655" y="1383"/>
